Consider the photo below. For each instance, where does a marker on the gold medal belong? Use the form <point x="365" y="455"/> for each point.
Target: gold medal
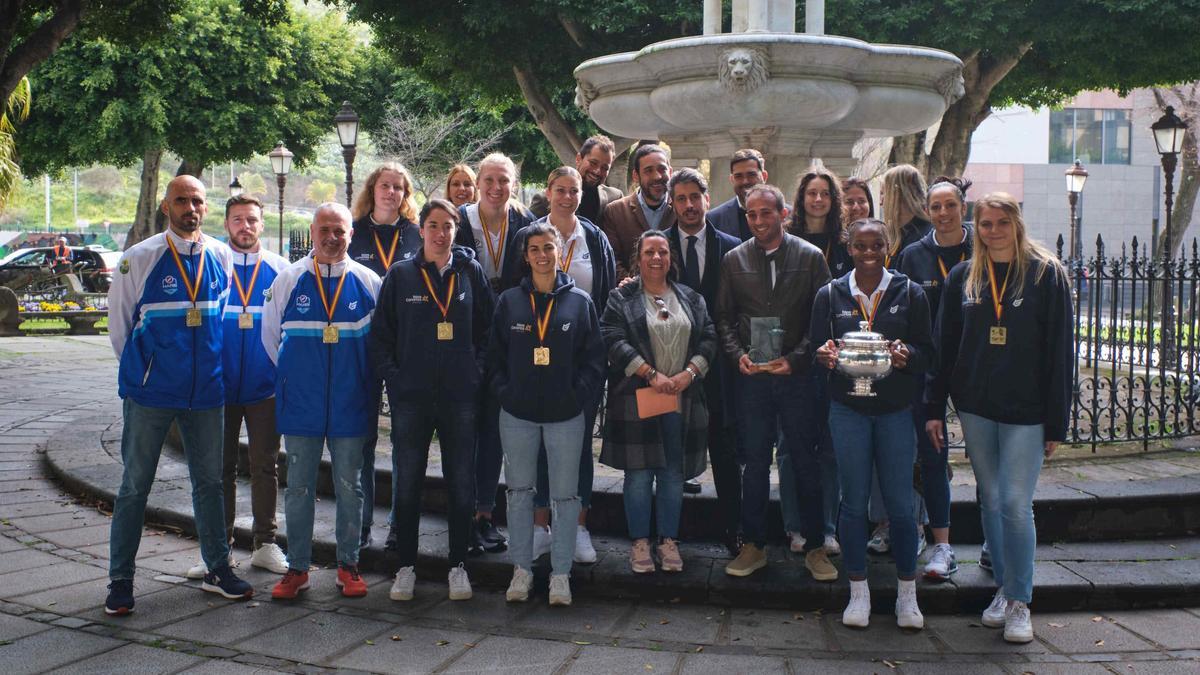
<point x="445" y="330"/>
<point x="193" y="318"/>
<point x="541" y="356"/>
<point x="329" y="335"/>
<point x="998" y="335"/>
<point x="245" y="320"/>
<point x="541" y="353"/>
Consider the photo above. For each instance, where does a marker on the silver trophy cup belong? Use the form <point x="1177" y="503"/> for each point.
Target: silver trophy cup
<point x="864" y="357"/>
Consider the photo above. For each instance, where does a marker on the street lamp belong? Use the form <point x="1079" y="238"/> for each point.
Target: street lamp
<point x="347" y="127"/>
<point x="235" y="188"/>
<point x="1076" y="177"/>
<point x="1168" y="137"/>
<point x="281" y="163"/>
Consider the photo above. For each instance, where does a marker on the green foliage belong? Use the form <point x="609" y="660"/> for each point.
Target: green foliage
<point x="215" y="86"/>
<point x="320" y="191"/>
<point x="12" y="112"/>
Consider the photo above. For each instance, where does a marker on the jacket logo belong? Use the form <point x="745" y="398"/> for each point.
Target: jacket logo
<point x="409" y="256"/>
<point x="1017" y="302"/>
<point x="303" y="303"/>
<point x="846" y="313"/>
<point x="894" y="309"/>
<point x="124" y="267"/>
<point x="213" y="284"/>
<point x="365" y="256"/>
<point x="462" y="296"/>
<point x="353" y="305"/>
<point x="566" y="326"/>
<point x="170" y="285"/>
<point x="522" y="328"/>
<point x="929" y="284"/>
<point x="417" y="298"/>
<point x="587" y="255"/>
<point x="267" y="293"/>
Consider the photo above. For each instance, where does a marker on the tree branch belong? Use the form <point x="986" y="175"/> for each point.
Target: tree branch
<point x="561" y="135"/>
<point x="40" y="44"/>
<point x="574" y="31"/>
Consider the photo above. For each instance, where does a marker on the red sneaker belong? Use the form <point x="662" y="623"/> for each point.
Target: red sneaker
<point x="350" y="582"/>
<point x="290" y="585"/>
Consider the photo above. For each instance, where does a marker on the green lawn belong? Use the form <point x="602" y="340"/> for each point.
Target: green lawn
<point x="53" y="325"/>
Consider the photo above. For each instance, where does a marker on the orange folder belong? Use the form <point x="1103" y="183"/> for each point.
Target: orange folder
<point x="653" y="404"/>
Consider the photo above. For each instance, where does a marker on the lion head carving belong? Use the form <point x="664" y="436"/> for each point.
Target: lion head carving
<point x="741" y="70"/>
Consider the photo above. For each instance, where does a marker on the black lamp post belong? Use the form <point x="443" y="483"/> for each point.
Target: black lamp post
<point x="1076" y="177"/>
<point x="235" y="188"/>
<point x="1168" y="137"/>
<point x="281" y="163"/>
<point x="346" y="122"/>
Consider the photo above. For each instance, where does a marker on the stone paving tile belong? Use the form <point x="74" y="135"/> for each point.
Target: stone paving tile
<point x="931" y="668"/>
<point x="154" y="609"/>
<point x="728" y="664"/>
<point x="52" y="649"/>
<point x="80" y="536"/>
<point x="8" y="545"/>
<point x="233" y="623"/>
<point x="1057" y="668"/>
<point x="582" y="618"/>
<point x="15" y="584"/>
<point x="512" y="655"/>
<point x="776" y="628"/>
<point x="965" y="635"/>
<point x="675" y="623"/>
<point x="134" y="659"/>
<point x="1157" y="667"/>
<point x="882" y="636"/>
<point x="313" y="638"/>
<point x="419" y="650"/>
<point x="486" y="609"/>
<point x="801" y="666"/>
<point x="599" y="660"/>
<point x="79" y="597"/>
<point x="38" y="508"/>
<point x="25" y="558"/>
<point x="1080" y="634"/>
<point x="14" y="627"/>
<point x="219" y="667"/>
<point x="1171" y="628"/>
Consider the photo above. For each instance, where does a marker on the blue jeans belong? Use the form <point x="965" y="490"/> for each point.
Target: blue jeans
<point x="488" y="454"/>
<point x="141" y="444"/>
<point x="299" y="499"/>
<point x="412" y="430"/>
<point x="1007" y="459"/>
<point x="587" y="464"/>
<point x="779" y="407"/>
<point x="367" y="472"/>
<point x="830" y="492"/>
<point x="665" y="482"/>
<point x="523" y="441"/>
<point x="882" y="445"/>
<point x="935" y="482"/>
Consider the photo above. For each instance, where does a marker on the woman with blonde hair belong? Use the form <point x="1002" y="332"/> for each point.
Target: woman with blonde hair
<point x="904" y="209"/>
<point x="1004" y="336"/>
<point x="384" y="232"/>
<point x="461" y="186"/>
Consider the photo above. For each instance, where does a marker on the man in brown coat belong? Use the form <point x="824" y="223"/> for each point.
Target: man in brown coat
<point x="626" y="219"/>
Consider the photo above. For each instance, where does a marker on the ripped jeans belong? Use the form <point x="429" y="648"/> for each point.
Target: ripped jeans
<point x="303" y="460"/>
<point x="522" y="440"/>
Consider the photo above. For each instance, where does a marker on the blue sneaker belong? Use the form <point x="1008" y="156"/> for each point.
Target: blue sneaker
<point x="120" y="598"/>
<point x="224" y="582"/>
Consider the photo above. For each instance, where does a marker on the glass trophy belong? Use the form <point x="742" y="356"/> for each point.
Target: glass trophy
<point x="766" y="339"/>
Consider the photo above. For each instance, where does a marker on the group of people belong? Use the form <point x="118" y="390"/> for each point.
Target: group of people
<point x="715" y="332"/>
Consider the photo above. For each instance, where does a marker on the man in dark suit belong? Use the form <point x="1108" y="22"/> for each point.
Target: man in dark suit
<point x="647" y="209"/>
<point x="746" y="169"/>
<point x="594" y="159"/>
<point x="697" y="248"/>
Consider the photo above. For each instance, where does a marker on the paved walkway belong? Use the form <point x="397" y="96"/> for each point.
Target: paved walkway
<point x="53" y="573"/>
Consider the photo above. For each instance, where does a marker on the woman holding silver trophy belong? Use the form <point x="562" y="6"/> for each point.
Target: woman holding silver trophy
<point x="880" y="321"/>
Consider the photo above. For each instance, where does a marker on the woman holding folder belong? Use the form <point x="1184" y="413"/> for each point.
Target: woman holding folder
<point x="660" y="342"/>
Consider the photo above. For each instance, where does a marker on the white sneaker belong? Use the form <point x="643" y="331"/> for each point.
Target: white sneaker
<point x="1018" y="625"/>
<point x="993" y="616"/>
<point x="908" y="614"/>
<point x="832" y="547"/>
<point x="402" y="587"/>
<point x="560" y="590"/>
<point x="858" y="612"/>
<point x="584" y="551"/>
<point x="541" y="541"/>
<point x="795" y="542"/>
<point x="942" y="563"/>
<point x="518" y="589"/>
<point x="200" y="570"/>
<point x="460" y="584"/>
<point x="269" y="557"/>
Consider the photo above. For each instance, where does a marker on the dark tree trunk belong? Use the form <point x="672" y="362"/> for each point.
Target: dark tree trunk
<point x="17" y="60"/>
<point x="561" y="135"/>
<point x="147" y="204"/>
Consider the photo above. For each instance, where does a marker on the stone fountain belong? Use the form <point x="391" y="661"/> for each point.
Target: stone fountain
<point x="794" y="96"/>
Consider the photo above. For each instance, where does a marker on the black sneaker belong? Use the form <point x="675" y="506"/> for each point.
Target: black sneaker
<point x="224" y="582"/>
<point x="393" y="540"/>
<point x="365" y="540"/>
<point x="493" y="539"/>
<point x="985" y="558"/>
<point x="733" y="543"/>
<point x="691" y="487"/>
<point x="474" y="542"/>
<point x="120" y="598"/>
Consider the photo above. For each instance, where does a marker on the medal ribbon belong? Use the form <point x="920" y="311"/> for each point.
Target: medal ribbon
<point x="387" y="259"/>
<point x="329" y="306"/>
<point x="543" y="322"/>
<point x="997" y="298"/>
<point x="496" y="252"/>
<point x="566" y="262"/>
<point x="942" y="266"/>
<point x="870" y="317"/>
<point x="192" y="289"/>
<point x="244" y="291"/>
<point x="444" y="306"/>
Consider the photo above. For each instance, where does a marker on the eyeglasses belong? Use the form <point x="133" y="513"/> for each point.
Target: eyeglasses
<point x="662" y="307"/>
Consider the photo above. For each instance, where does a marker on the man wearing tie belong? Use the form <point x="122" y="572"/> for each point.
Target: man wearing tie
<point x="747" y="168"/>
<point x="700" y="247"/>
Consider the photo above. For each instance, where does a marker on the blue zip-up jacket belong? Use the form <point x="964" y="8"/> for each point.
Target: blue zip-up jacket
<point x="604" y="261"/>
<point x="556" y="392"/>
<point x="405" y="350"/>
<point x="249" y="372"/>
<point x="320" y="389"/>
<point x="165" y="363"/>
<point x="919" y="262"/>
<point x="362" y="248"/>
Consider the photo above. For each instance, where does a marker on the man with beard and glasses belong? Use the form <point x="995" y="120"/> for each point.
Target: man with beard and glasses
<point x="647" y="209"/>
<point x="593" y="161"/>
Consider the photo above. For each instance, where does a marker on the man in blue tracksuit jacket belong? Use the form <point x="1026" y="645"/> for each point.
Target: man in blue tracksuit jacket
<point x="164" y="309"/>
<point x="315" y="322"/>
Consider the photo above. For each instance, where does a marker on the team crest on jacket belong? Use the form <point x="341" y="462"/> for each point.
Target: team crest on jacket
<point x="124" y="267"/>
<point x="353" y="305"/>
<point x="1017" y="302"/>
<point x="566" y="326"/>
<point x="303" y="303"/>
<point x="170" y="285"/>
<point x="894" y="309"/>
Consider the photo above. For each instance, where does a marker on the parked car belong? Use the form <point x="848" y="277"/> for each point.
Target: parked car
<point x="32" y="268"/>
